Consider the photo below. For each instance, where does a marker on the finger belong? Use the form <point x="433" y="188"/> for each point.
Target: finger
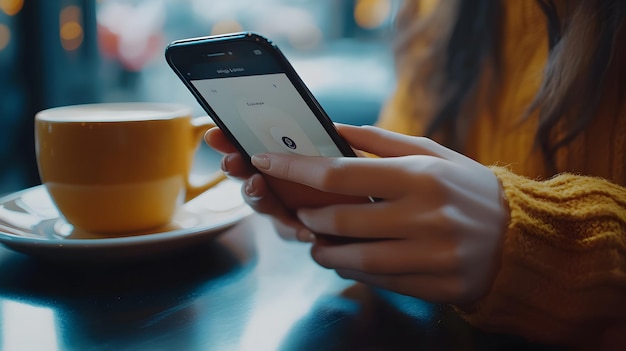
<point x="440" y="289"/>
<point x="389" y="257"/>
<point x="372" y="220"/>
<point x="259" y="196"/>
<point x="385" y="143"/>
<point x="216" y="139"/>
<point x="380" y="220"/>
<point x="346" y="175"/>
<point x="234" y="165"/>
<point x="292" y="230"/>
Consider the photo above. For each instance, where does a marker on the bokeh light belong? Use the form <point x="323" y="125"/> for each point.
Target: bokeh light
<point x="11" y="7"/>
<point x="71" y="29"/>
<point x="308" y="38"/>
<point x="297" y="25"/>
<point x="371" y="14"/>
<point x="131" y="33"/>
<point x="5" y="36"/>
<point x="226" y="26"/>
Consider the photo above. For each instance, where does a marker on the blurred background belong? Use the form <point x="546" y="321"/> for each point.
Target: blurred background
<point x="62" y="52"/>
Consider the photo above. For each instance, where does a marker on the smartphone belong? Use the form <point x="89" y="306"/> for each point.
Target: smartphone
<point x="252" y="92"/>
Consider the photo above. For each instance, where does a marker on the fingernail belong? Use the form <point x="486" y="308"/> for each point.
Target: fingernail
<point x="261" y="161"/>
<point x="305" y="236"/>
<point x="249" y="188"/>
<point x="224" y="164"/>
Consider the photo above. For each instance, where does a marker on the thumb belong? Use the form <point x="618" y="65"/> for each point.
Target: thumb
<point x="385" y="143"/>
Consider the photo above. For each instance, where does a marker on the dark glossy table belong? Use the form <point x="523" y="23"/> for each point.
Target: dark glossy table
<point x="245" y="290"/>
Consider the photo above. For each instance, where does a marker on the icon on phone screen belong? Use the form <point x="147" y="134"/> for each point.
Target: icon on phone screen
<point x="290" y="143"/>
<point x="292" y="138"/>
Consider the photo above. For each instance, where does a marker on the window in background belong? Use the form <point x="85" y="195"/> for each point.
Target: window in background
<point x="341" y="48"/>
<point x="48" y="58"/>
<point x="61" y="52"/>
<point x="12" y="95"/>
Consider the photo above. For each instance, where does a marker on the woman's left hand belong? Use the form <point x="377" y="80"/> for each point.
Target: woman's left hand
<point x="436" y="232"/>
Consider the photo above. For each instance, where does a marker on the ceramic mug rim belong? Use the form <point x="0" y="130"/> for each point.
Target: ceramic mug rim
<point x="101" y="112"/>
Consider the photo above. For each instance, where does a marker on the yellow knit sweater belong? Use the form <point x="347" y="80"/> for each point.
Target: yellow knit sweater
<point x="563" y="270"/>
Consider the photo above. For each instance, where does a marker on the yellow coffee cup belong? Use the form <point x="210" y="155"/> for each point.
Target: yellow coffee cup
<point x="119" y="167"/>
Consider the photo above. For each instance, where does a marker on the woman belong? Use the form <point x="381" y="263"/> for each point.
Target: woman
<point x="523" y="227"/>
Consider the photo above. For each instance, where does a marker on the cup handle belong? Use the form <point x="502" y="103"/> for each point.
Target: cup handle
<point x="199" y="127"/>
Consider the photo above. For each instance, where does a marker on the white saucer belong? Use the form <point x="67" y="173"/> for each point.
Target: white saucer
<point x="31" y="224"/>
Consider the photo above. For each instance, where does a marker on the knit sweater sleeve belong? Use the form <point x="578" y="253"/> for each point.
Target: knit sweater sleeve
<point x="563" y="270"/>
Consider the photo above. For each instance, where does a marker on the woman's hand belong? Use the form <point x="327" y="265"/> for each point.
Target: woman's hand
<point x="436" y="232"/>
<point x="255" y="189"/>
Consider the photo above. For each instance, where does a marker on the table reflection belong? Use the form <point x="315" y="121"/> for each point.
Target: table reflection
<point x="246" y="290"/>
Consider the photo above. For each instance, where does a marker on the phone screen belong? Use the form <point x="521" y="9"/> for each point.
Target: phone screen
<point x="256" y="98"/>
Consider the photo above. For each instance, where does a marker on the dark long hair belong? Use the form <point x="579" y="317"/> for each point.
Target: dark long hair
<point x="584" y="38"/>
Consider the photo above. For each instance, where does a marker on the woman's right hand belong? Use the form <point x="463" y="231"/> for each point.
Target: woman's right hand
<point x="255" y="190"/>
